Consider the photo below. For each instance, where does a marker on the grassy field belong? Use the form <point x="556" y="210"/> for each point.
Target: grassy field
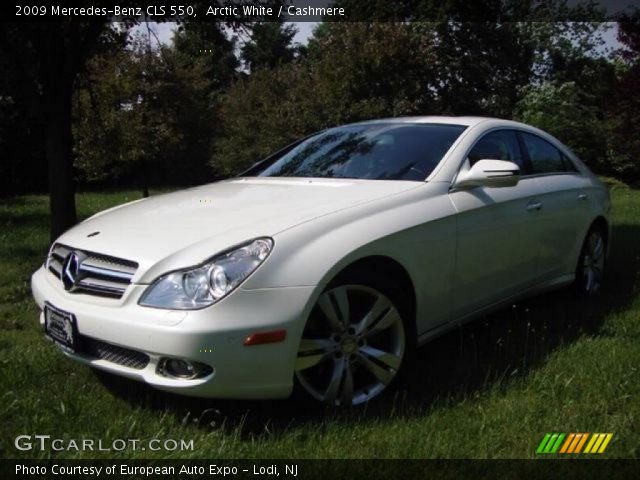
<point x="489" y="390"/>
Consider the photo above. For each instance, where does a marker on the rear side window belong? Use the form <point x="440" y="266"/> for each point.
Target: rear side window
<point x="497" y="145"/>
<point x="568" y="164"/>
<point x="543" y="157"/>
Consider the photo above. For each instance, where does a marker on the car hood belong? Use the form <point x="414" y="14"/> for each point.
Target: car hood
<point x="185" y="228"/>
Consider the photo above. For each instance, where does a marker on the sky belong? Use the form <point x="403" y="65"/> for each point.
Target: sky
<point x="305" y="30"/>
<point x="164" y="30"/>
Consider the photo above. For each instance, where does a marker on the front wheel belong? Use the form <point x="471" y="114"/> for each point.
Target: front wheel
<point x="591" y="264"/>
<point x="352" y="346"/>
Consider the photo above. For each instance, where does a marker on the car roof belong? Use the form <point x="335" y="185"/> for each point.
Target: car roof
<point x="467" y="121"/>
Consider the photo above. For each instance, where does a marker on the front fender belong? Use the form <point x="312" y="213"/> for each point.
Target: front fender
<point x="416" y="230"/>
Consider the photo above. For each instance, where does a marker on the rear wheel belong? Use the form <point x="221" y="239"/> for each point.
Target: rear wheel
<point x="353" y="344"/>
<point x="591" y="264"/>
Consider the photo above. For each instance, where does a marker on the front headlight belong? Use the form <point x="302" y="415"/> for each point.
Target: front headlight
<point x="202" y="286"/>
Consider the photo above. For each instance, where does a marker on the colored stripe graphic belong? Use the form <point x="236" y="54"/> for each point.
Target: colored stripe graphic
<point x="598" y="443"/>
<point x="573" y="443"/>
<point x="550" y="443"/>
<point x="556" y="446"/>
<point x="567" y="443"/>
<point x="594" y="437"/>
<point x="543" y="443"/>
<point x="605" y="442"/>
<point x="581" y="443"/>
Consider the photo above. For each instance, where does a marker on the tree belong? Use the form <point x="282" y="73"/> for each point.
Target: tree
<point x="149" y="113"/>
<point x="105" y="98"/>
<point x="21" y="150"/>
<point x="270" y="45"/>
<point x="208" y="46"/>
<point x="123" y="129"/>
<point x="570" y="114"/>
<point x="406" y="66"/>
<point x="48" y="57"/>
<point x="485" y="52"/>
<point x="625" y="107"/>
<point x="353" y="72"/>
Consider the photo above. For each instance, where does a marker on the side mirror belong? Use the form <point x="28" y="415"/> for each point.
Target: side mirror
<point x="489" y="173"/>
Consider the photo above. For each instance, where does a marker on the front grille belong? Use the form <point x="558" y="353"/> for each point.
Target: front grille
<point x="113" y="353"/>
<point x="97" y="274"/>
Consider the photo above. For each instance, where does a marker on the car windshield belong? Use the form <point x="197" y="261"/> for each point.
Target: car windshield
<point x="374" y="151"/>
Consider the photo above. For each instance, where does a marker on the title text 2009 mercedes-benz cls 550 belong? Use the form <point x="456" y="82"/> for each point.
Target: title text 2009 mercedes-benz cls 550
<point x="322" y="266"/>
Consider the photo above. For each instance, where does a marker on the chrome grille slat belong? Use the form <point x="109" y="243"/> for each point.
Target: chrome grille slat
<point x="100" y="291"/>
<point x="98" y="274"/>
<point x="97" y="284"/>
<point x="55" y="266"/>
<point x="115" y="275"/>
<point x="61" y="251"/>
<point x="57" y="256"/>
<point x="98" y="262"/>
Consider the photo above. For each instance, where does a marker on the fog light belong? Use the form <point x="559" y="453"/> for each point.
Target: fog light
<point x="177" y="367"/>
<point x="182" y="369"/>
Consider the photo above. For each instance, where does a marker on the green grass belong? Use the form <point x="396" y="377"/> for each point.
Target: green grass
<point x="489" y="390"/>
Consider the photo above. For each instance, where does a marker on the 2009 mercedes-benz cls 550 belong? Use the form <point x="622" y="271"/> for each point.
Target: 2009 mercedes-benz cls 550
<point x="323" y="265"/>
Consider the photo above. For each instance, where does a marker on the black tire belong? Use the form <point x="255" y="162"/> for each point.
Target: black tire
<point x="591" y="265"/>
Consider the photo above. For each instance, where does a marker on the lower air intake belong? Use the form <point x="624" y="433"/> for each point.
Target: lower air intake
<point x="115" y="354"/>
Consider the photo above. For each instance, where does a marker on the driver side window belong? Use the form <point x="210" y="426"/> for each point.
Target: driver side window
<point x="497" y="145"/>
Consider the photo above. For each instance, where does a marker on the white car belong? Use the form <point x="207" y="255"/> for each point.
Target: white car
<point x="322" y="266"/>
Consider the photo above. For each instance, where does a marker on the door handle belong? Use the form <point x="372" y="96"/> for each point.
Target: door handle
<point x="534" y="206"/>
<point x="582" y="196"/>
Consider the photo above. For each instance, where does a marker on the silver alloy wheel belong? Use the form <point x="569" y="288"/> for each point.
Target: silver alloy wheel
<point x="593" y="262"/>
<point x="352" y="346"/>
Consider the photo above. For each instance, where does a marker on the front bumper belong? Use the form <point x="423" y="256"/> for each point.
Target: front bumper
<point x="213" y="336"/>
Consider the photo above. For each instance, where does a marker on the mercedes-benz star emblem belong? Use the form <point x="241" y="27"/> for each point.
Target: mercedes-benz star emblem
<point x="70" y="274"/>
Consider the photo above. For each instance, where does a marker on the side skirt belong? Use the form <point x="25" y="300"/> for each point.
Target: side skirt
<point x="554" y="284"/>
